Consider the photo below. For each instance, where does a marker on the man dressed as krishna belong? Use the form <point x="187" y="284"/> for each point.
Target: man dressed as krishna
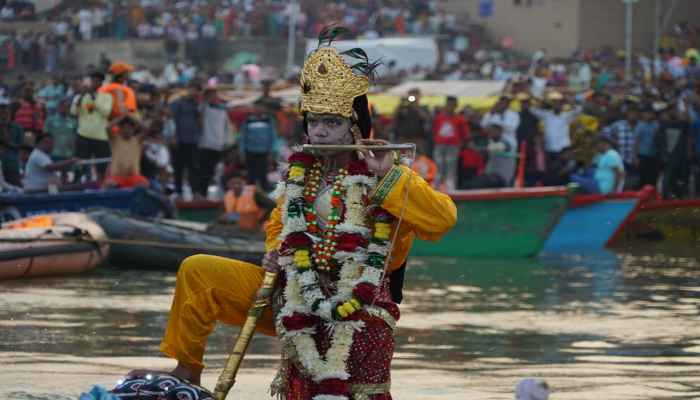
<point x="345" y="221"/>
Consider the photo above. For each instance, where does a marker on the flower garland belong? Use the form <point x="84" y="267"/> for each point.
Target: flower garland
<point x="355" y="239"/>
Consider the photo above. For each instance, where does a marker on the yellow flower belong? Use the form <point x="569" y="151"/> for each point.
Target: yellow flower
<point x="349" y="308"/>
<point x="296" y="172"/>
<point x="341" y="311"/>
<point x="355" y="303"/>
<point x="301" y="259"/>
<point x="382" y="230"/>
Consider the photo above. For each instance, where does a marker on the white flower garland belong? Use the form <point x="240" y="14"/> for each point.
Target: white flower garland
<point x="303" y="290"/>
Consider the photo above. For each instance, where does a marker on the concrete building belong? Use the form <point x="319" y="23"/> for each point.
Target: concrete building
<point x="561" y="26"/>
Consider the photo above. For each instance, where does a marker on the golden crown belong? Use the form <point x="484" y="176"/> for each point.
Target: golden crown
<point x="328" y="84"/>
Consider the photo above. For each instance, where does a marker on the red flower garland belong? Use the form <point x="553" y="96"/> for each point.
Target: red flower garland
<point x="350" y="242"/>
<point x="365" y="292"/>
<point x="298" y="321"/>
<point x="294" y="241"/>
<point x="306" y="159"/>
<point x="358" y="168"/>
<point x="333" y="387"/>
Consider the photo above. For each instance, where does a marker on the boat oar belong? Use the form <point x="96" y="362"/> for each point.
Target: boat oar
<point x="228" y="375"/>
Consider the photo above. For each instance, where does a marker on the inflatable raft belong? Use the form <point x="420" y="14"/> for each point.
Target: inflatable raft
<point x="51" y="244"/>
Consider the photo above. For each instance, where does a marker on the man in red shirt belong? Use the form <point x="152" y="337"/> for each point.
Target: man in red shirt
<point x="449" y="131"/>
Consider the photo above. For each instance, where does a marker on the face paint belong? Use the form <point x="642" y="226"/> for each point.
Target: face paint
<point x="328" y="129"/>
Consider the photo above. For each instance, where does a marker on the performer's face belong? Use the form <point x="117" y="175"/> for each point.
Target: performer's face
<point x="328" y="129"/>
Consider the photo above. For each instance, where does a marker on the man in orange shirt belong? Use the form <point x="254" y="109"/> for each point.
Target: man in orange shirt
<point x="124" y="98"/>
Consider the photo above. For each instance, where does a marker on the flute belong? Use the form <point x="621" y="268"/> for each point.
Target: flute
<point x="355" y="147"/>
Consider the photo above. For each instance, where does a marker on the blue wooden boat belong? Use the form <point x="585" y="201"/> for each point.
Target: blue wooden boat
<point x="138" y="201"/>
<point x="593" y="221"/>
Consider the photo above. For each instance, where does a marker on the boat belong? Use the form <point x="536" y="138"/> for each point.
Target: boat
<point x="199" y="210"/>
<point x="52" y="244"/>
<point x="499" y="223"/>
<point x="664" y="220"/>
<point x="139" y="201"/>
<point x="162" y="244"/>
<point x="592" y="222"/>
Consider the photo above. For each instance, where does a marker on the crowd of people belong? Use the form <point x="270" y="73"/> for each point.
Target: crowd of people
<point x="586" y="124"/>
<point x="558" y="121"/>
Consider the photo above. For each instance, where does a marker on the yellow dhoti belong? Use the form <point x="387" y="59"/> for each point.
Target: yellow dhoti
<point x="210" y="289"/>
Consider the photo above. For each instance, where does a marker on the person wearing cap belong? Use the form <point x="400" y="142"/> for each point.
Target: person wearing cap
<point x="123" y="97"/>
<point x="92" y="108"/>
<point x="356" y="335"/>
<point x="556" y="121"/>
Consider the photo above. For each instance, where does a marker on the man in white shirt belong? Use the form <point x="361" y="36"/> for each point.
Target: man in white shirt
<point x="556" y="123"/>
<point x="85" y="25"/>
<point x="41" y="169"/>
<point x="504" y="117"/>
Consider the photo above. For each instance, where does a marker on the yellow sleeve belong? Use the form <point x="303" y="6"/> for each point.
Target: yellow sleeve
<point x="273" y="228"/>
<point x="428" y="212"/>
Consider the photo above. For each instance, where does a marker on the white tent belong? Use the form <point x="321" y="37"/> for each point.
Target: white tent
<point x="406" y="52"/>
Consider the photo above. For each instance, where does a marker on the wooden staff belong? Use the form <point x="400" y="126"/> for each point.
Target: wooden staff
<point x="228" y="375"/>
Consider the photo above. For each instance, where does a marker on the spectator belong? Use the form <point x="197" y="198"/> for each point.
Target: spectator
<point x="52" y="94"/>
<point x="506" y="118"/>
<point x="123" y="97"/>
<point x="425" y="167"/>
<point x="257" y="140"/>
<point x="126" y="141"/>
<point x="41" y="170"/>
<point x="608" y="173"/>
<point x="86" y="20"/>
<point x="450" y="130"/>
<point x="622" y="132"/>
<point x="528" y="126"/>
<point x="244" y="205"/>
<point x="674" y="140"/>
<point x="30" y="114"/>
<point x="556" y="123"/>
<point x="411" y="120"/>
<point x="217" y="136"/>
<point x="92" y="108"/>
<point x="646" y="148"/>
<point x="472" y="163"/>
<point x="11" y="138"/>
<point x="187" y="117"/>
<point x="62" y="129"/>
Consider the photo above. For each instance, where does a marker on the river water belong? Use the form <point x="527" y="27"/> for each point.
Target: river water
<point x="600" y="326"/>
